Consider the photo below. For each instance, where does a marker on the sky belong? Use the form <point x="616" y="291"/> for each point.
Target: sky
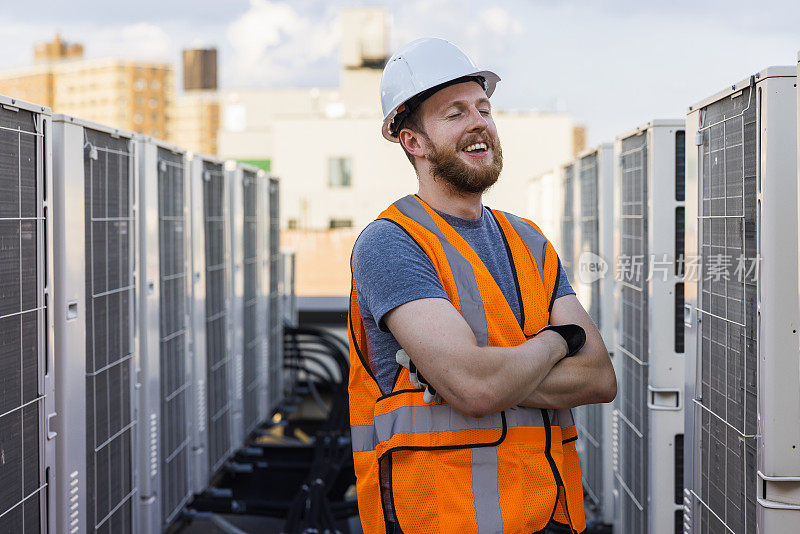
<point x="613" y="65"/>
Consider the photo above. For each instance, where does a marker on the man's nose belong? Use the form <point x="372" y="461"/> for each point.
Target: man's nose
<point x="478" y="122"/>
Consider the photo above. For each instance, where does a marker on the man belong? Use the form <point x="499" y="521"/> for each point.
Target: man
<point x="467" y="344"/>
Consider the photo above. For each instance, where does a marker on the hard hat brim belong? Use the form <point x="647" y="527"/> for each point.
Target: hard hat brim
<point x="489" y="77"/>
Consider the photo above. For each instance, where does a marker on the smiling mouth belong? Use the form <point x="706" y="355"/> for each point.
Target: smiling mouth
<point x="476" y="148"/>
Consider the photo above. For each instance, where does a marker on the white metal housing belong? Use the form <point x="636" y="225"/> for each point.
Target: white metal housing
<point x="263" y="325"/>
<point x="234" y="180"/>
<point x="275" y="381"/>
<point x="743" y="460"/>
<point x="565" y="247"/>
<point x="212" y="370"/>
<point x="27" y="402"/>
<point x="164" y="367"/>
<point x="648" y="414"/>
<point x="95" y="335"/>
<point x="544" y="201"/>
<point x="594" y="285"/>
<point x="290" y="311"/>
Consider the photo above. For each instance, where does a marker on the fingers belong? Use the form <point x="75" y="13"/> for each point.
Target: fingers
<point x="416" y="379"/>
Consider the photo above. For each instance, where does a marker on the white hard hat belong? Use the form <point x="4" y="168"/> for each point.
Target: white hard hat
<point x="419" y="67"/>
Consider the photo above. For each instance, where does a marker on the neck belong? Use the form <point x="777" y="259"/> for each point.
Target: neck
<point x="441" y="196"/>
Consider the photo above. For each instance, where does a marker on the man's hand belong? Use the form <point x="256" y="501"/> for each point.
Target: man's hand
<point x="585" y="378"/>
<point x="474" y="380"/>
<point x="417" y="380"/>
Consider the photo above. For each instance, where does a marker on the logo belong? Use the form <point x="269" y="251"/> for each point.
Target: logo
<point x="591" y="268"/>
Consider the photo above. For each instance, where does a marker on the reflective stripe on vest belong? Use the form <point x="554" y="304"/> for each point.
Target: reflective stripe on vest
<point x="436" y="418"/>
<point x="535" y="241"/>
<point x="472" y="308"/>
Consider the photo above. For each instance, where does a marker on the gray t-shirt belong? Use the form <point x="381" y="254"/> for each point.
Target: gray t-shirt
<point x="390" y="269"/>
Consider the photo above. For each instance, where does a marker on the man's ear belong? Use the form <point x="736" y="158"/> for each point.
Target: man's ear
<point x="411" y="142"/>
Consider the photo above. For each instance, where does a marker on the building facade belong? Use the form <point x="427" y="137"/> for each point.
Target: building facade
<point x="193" y="121"/>
<point x="131" y="95"/>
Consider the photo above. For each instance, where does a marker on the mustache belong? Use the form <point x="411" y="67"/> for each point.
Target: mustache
<point x="476" y="138"/>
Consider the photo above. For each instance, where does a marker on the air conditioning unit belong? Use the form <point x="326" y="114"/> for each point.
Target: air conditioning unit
<point x="275" y="381"/>
<point x="566" y="244"/>
<point x="543" y="204"/>
<point x="594" y="285"/>
<point x="213" y="369"/>
<point x="27" y="403"/>
<point x="648" y="412"/>
<point x="288" y="289"/>
<point x="235" y="197"/>
<point x="248" y="305"/>
<point x="95" y="333"/>
<point x="165" y="404"/>
<point x="742" y="432"/>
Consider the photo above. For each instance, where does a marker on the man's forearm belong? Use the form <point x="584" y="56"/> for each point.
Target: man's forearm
<point x="573" y="382"/>
<point x="511" y="384"/>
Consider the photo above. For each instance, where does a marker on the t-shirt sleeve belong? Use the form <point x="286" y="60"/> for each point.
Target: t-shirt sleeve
<point x="564" y="287"/>
<point x="391" y="269"/>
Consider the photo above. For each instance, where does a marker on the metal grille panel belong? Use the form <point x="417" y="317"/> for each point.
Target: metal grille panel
<point x="631" y="403"/>
<point x="109" y="335"/>
<point x="587" y="218"/>
<point x="567" y="253"/>
<point x="680" y="165"/>
<point x="175" y="381"/>
<point x="217" y="356"/>
<point x="21" y="320"/>
<point x="253" y="337"/>
<point x="589" y="418"/>
<point x="275" y="325"/>
<point x="728" y="356"/>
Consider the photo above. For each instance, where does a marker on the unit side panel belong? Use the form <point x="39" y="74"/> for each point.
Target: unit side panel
<point x="236" y="311"/>
<point x="275" y="385"/>
<point x="148" y="294"/>
<point x="567" y="252"/>
<point x="779" y="316"/>
<point x="198" y="349"/>
<point x="692" y="409"/>
<point x="69" y="329"/>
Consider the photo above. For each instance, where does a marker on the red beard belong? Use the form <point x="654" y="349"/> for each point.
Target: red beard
<point x="462" y="177"/>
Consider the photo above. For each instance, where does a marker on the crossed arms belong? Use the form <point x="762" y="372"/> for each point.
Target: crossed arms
<point x="482" y="380"/>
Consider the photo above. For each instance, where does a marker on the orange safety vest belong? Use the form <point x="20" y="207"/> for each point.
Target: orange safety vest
<point x="512" y="471"/>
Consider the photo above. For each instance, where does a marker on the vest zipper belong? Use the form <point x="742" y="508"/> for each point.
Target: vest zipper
<point x="554" y="468"/>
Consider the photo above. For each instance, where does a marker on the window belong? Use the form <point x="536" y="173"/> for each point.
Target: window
<point x="140" y="84"/>
<point x="155" y="85"/>
<point x="339" y="172"/>
<point x="340" y="223"/>
<point x="291" y="224"/>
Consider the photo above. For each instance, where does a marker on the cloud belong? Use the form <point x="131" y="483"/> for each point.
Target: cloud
<point x="483" y="33"/>
<point x="273" y="43"/>
<point x="143" y="41"/>
<point x="16" y="38"/>
<point x="501" y="22"/>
